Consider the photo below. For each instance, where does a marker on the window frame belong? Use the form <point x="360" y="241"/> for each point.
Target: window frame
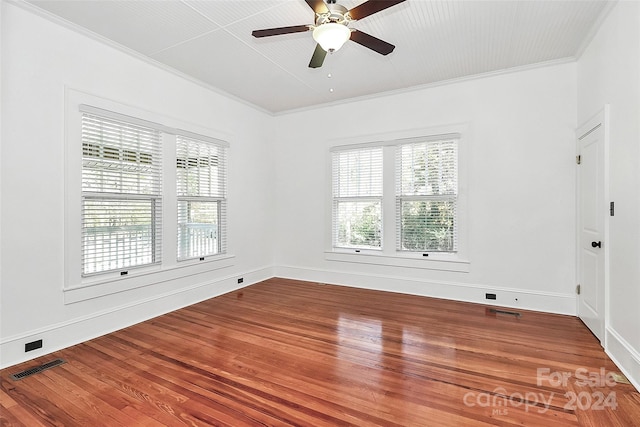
<point x="127" y="198"/>
<point x="389" y="255"/>
<point x="78" y="288"/>
<point x="219" y="199"/>
<point x="402" y="197"/>
<point x="370" y="196"/>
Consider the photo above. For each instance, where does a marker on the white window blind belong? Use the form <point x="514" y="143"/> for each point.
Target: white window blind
<point x="201" y="190"/>
<point x="357" y="198"/>
<point x="121" y="195"/>
<point x="426" y="196"/>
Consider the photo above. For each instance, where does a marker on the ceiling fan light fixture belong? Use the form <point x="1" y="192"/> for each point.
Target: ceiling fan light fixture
<point x="331" y="36"/>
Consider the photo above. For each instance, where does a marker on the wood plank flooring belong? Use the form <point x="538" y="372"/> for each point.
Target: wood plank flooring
<point x="286" y="352"/>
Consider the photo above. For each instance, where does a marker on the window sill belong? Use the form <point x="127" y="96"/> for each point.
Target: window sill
<point x="437" y="262"/>
<point x="138" y="278"/>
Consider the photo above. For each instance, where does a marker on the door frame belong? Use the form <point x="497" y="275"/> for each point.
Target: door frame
<point x="602" y="118"/>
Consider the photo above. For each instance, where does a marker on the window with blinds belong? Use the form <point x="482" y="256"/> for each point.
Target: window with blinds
<point x="357" y="198"/>
<point x="201" y="191"/>
<point x="121" y="195"/>
<point x="426" y="196"/>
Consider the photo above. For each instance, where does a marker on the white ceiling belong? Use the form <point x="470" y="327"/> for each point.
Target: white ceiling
<point x="210" y="40"/>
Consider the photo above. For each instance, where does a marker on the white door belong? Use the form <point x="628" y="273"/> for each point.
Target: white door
<point x="592" y="211"/>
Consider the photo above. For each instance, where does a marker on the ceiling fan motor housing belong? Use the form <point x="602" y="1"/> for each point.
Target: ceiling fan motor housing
<point x="336" y="13"/>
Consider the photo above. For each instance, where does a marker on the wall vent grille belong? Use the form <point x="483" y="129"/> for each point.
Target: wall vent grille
<point x="36" y="369"/>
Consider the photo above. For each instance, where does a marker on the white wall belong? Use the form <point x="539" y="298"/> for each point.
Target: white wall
<point x="39" y="60"/>
<point x="521" y="187"/>
<point x="520" y="167"/>
<point x="609" y="73"/>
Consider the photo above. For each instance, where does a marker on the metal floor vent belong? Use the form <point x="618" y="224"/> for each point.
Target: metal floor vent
<point x="511" y="313"/>
<point x="36" y="369"/>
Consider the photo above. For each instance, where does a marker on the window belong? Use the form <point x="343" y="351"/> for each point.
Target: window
<point x="121" y="195"/>
<point x="357" y="198"/>
<point x="145" y="198"/>
<point x="398" y="199"/>
<point x="201" y="176"/>
<point x="426" y="193"/>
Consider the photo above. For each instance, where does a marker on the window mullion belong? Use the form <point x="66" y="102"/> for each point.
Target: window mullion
<point x="388" y="202"/>
<point x="169" y="211"/>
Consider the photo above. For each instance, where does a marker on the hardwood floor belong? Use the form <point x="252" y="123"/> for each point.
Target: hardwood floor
<point x="285" y="352"/>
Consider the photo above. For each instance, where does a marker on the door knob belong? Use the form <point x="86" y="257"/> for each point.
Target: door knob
<point x="596" y="244"/>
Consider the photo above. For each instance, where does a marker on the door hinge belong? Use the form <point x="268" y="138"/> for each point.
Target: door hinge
<point x="578" y="159"/>
<point x="578" y="289"/>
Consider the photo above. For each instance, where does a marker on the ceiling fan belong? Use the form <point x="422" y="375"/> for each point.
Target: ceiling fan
<point x="331" y="28"/>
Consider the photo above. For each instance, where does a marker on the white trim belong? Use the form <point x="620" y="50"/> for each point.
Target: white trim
<point x="623" y="355"/>
<point x="77" y="288"/>
<point x="586" y="41"/>
<point x="78" y="330"/>
<point x="101" y="103"/>
<point x="549" y="302"/>
<point x="147" y="59"/>
<point x="417" y="88"/>
<point x="434" y="262"/>
<point x="143" y="278"/>
<point x="400" y="136"/>
<point x="1" y="132"/>
<point x="395" y="140"/>
<point x="150" y="124"/>
<point x="462" y="132"/>
<point x="130" y="52"/>
<point x="600" y="119"/>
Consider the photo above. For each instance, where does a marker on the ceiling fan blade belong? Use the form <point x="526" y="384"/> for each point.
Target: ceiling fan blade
<point x="318" y="57"/>
<point x="370" y="7"/>
<point x="373" y="43"/>
<point x="318" y="6"/>
<point x="281" y="30"/>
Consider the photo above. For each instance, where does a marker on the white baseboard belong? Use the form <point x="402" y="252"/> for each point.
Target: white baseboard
<point x="623" y="355"/>
<point x="58" y="336"/>
<point x="66" y="334"/>
<point x="505" y="297"/>
<point x="75" y="331"/>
